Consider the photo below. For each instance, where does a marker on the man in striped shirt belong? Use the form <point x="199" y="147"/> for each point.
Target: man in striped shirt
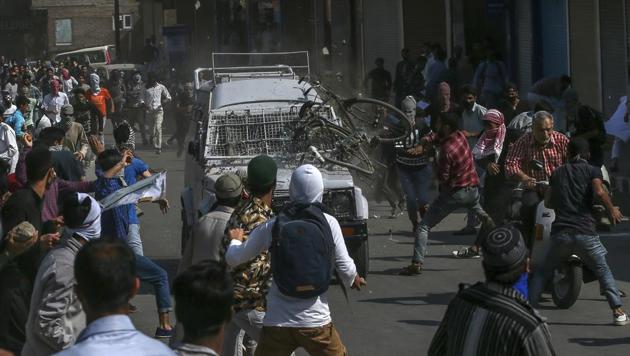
<point x="458" y="185"/>
<point x="533" y="158"/>
<point x="492" y="318"/>
<point x="414" y="171"/>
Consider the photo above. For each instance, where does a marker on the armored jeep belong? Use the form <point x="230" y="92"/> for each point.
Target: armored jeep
<point x="246" y="106"/>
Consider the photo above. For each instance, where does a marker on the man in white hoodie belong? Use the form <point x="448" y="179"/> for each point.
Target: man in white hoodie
<point x="292" y="322"/>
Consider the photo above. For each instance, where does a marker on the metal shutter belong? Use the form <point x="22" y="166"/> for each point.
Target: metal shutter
<point x="383" y="32"/>
<point x="525" y="45"/>
<point x="613" y="52"/>
<point x="584" y="50"/>
<point x="555" y="58"/>
<point x="425" y="21"/>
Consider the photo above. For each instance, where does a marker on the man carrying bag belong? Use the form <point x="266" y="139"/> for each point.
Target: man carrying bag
<point x="305" y="244"/>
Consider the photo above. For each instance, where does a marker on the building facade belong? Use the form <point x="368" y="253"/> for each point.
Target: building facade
<point x="76" y="24"/>
<point x="21" y="30"/>
<point x="586" y="39"/>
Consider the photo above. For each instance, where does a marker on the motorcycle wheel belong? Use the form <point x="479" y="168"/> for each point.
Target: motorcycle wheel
<point x="566" y="285"/>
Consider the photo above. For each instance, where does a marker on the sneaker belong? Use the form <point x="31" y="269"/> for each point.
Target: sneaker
<point x="620" y="319"/>
<point x="413" y="269"/>
<point x="468" y="230"/>
<point x="158" y="151"/>
<point x="467" y="252"/>
<point x="163" y="333"/>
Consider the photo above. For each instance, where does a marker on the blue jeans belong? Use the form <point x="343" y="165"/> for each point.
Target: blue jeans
<point x="593" y="254"/>
<point x="416" y="184"/>
<point x="446" y="203"/>
<point x="133" y="239"/>
<point x="471" y="218"/>
<point x="151" y="273"/>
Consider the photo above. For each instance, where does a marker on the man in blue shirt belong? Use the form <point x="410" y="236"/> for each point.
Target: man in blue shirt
<point x="115" y="222"/>
<point x="16" y="121"/>
<point x="105" y="272"/>
<point x="137" y="169"/>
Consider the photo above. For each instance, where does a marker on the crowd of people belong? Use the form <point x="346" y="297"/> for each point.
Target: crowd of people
<point x="69" y="266"/>
<point x="251" y="278"/>
<point x="473" y="132"/>
<point x="52" y="144"/>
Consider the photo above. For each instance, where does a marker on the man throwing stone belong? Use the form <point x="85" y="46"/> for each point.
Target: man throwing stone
<point x="458" y="185"/>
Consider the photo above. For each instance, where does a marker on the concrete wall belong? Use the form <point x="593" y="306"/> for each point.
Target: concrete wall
<point x="613" y="53"/>
<point x="584" y="45"/>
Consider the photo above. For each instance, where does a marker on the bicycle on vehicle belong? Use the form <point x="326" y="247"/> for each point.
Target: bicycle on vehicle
<point x="339" y="136"/>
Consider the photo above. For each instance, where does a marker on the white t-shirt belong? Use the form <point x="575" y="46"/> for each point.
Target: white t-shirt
<point x="9" y="151"/>
<point x="53" y="104"/>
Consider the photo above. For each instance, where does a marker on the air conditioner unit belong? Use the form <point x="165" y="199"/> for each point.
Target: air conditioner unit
<point x="125" y="22"/>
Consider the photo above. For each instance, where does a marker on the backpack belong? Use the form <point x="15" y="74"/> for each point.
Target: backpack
<point x="302" y="251"/>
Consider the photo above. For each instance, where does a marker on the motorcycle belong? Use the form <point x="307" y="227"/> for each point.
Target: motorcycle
<point x="566" y="283"/>
<point x="567" y="280"/>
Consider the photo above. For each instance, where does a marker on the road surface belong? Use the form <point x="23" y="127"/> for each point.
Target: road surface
<point x="398" y="315"/>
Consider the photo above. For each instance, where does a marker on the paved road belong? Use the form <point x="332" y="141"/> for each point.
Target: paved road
<point x="398" y="315"/>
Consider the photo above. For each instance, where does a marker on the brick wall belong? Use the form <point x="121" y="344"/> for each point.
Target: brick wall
<point x="91" y="21"/>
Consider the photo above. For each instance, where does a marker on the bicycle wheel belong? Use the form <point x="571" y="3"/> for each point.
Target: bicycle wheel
<point x="339" y="146"/>
<point x="387" y="122"/>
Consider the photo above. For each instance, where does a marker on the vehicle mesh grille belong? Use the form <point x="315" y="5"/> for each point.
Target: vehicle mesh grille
<point x="248" y="133"/>
<point x="281" y="199"/>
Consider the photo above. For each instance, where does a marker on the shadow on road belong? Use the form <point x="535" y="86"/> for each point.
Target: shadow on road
<point x="590" y="341"/>
<point x="429" y="299"/>
<point x="403" y="258"/>
<point x="421" y="322"/>
<point x="394" y="271"/>
<point x="580" y="324"/>
<point x="406" y="233"/>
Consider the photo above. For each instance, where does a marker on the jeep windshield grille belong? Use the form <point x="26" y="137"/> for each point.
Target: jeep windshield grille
<point x="248" y="133"/>
<point x="339" y="202"/>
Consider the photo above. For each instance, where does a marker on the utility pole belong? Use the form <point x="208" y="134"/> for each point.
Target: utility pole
<point x="117" y="28"/>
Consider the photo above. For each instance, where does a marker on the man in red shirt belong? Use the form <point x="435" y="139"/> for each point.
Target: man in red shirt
<point x="533" y="158"/>
<point x="458" y="184"/>
<point x="99" y="97"/>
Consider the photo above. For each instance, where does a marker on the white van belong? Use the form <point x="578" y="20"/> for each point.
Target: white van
<point x="95" y="56"/>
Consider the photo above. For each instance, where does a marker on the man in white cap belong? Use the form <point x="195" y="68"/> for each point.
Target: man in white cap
<point x="56" y="317"/>
<point x="298" y="315"/>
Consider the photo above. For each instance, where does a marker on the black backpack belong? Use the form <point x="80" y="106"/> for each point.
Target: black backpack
<point x="302" y="251"/>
